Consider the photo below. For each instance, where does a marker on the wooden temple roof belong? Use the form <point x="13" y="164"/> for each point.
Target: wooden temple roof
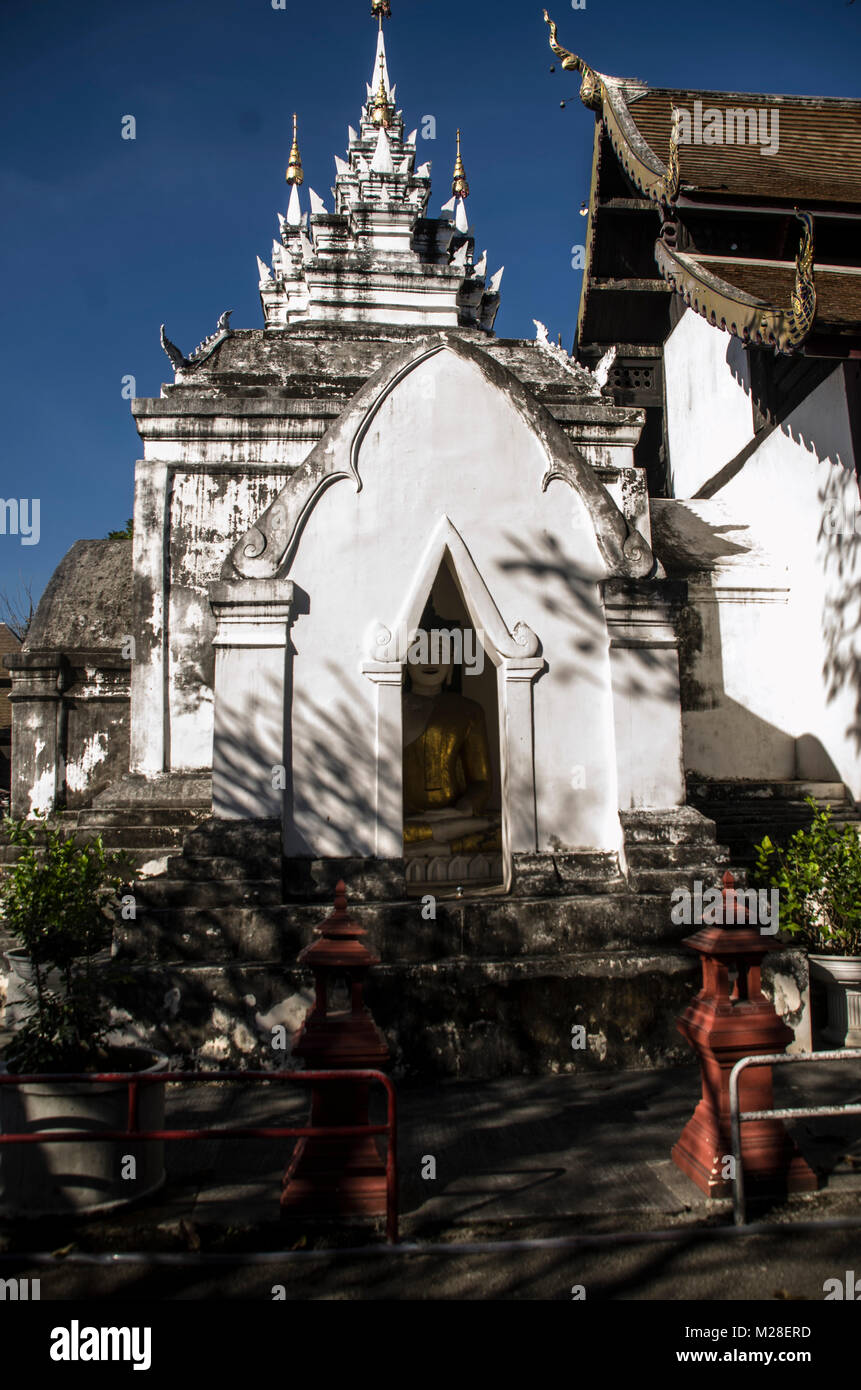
<point x="721" y="178"/>
<point x="818" y="154"/>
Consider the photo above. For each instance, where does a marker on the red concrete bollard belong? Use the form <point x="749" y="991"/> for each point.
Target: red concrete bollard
<point x="723" y="1024"/>
<point x="331" y="1176"/>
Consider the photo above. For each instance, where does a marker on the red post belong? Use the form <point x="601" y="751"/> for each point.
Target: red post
<point x="329" y="1175"/>
<point x="729" y="1019"/>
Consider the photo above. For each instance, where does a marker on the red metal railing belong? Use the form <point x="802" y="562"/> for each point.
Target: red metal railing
<point x="134" y="1082"/>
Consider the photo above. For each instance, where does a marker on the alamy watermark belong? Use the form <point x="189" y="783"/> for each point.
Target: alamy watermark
<point x="743" y="905"/>
<point x="21" y="517"/>
<point x="441" y="647"/>
<point x="736" y="125"/>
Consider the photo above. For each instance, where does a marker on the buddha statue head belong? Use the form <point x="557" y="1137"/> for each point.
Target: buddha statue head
<point x="431" y="658"/>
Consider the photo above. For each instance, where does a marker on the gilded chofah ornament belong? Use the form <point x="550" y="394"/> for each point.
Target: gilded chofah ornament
<point x="659" y="183"/>
<point x="381" y="114"/>
<point x="591" y="86"/>
<point x="803" y="309"/>
<point x="669" y="186"/>
<point x="729" y="308"/>
<point x="295" y="173"/>
<point x="459" y="185"/>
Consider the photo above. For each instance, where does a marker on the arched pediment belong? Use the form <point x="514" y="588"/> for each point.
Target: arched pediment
<point x="267" y="548"/>
<point x="386" y="643"/>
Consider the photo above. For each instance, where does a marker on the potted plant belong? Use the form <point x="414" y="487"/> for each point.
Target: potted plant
<point x="818" y="877"/>
<point x="58" y="901"/>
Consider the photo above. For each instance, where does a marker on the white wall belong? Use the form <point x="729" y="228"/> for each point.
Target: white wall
<point x="709" y="414"/>
<point x="783" y="669"/>
<point x="447" y="442"/>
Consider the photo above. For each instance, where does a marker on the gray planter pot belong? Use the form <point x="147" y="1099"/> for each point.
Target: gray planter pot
<point x="74" y="1178"/>
<point x="841" y="976"/>
<point x="21" y="988"/>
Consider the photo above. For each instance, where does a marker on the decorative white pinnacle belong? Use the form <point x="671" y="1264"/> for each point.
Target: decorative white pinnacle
<point x="265" y="272"/>
<point x="481" y="266"/>
<point x="411" y="138"/>
<point x="496" y="281"/>
<point x="375" y="76"/>
<point x="341" y="165"/>
<point x="461" y="221"/>
<point x="317" y="204"/>
<point x="423" y="171"/>
<point x="449" y="206"/>
<point x="294" y="211"/>
<point x="382" y="160"/>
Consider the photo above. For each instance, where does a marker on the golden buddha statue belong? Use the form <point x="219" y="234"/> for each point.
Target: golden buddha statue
<point x="447" y="770"/>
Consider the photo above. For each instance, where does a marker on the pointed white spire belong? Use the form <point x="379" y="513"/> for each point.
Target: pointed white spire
<point x="317" y="204"/>
<point x="341" y="165"/>
<point x="449" y="206"/>
<point x="265" y="272"/>
<point x="282" y="223"/>
<point x="423" y="171"/>
<point x="481" y="266"/>
<point x="412" y="137"/>
<point x="382" y="160"/>
<point x="352" y="134"/>
<point x="461" y="221"/>
<point x="294" y="211"/>
<point x="375" y="75"/>
<point x="496" y="281"/>
<point x="459" y="257"/>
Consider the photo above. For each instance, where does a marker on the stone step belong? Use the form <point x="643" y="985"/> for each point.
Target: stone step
<point x="655" y="880"/>
<point x="173" y="892"/>
<point x="229" y="839"/>
<point x="399" y="932"/>
<point x="202" y="868"/>
<point x="135" y="837"/>
<point x="793" y="790"/>
<point x="105" y="818"/>
<point x="684" y="825"/>
<point x="646" y="856"/>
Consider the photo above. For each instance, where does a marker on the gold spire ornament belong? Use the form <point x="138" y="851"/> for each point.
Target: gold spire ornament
<point x="381" y="114"/>
<point x="381" y="9"/>
<point x="459" y="185"/>
<point x="295" y="174"/>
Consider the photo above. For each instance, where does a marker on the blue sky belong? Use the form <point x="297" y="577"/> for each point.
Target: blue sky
<point x="105" y="238"/>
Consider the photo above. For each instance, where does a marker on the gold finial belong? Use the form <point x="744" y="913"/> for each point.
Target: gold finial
<point x="459" y="185"/>
<point x="381" y="9"/>
<point x="294" y="167"/>
<point x="382" y="112"/>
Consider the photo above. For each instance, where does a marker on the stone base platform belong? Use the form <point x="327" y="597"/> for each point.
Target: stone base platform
<point x="578" y="968"/>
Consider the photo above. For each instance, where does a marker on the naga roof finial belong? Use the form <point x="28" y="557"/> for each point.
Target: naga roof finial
<point x="590" y="85"/>
<point x="295" y="174"/>
<point x="459" y="185"/>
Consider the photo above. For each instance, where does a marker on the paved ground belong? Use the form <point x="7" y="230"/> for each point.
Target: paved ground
<point x="520" y="1159"/>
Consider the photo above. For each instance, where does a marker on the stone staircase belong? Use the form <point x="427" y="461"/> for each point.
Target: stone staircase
<point x="744" y="812"/>
<point x="483" y="985"/>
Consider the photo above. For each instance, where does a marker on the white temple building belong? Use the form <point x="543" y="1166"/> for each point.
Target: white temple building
<point x="235" y="683"/>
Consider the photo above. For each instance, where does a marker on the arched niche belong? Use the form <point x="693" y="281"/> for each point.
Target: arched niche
<point x="514" y="654"/>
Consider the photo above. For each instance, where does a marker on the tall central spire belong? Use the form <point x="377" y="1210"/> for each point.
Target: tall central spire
<point x="378" y="258"/>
